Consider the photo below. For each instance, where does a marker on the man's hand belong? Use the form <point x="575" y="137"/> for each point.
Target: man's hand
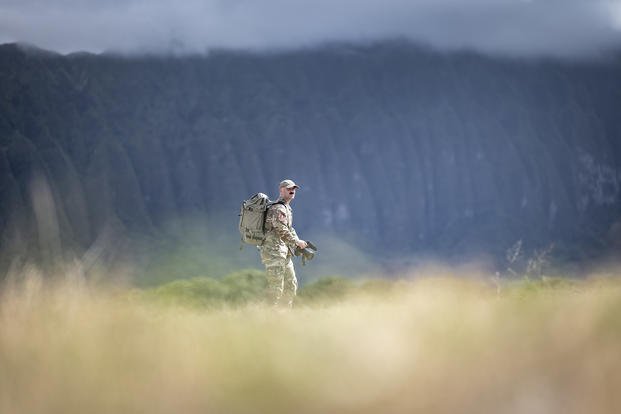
<point x="301" y="244"/>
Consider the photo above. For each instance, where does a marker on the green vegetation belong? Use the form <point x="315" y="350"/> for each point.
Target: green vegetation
<point x="239" y="288"/>
<point x="246" y="287"/>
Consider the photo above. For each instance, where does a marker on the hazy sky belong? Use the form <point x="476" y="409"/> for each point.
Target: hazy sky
<point x="523" y="27"/>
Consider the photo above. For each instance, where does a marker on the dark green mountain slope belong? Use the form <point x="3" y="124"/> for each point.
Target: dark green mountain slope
<point x="401" y="149"/>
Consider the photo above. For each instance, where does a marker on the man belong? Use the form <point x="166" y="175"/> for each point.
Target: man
<point x="277" y="250"/>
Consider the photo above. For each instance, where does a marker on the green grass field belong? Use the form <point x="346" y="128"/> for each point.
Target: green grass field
<point x="437" y="344"/>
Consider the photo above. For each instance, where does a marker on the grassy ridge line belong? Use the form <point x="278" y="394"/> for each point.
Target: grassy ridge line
<point x="433" y="345"/>
<point x="247" y="286"/>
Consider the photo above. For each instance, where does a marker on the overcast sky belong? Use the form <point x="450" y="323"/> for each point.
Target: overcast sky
<point x="522" y="27"/>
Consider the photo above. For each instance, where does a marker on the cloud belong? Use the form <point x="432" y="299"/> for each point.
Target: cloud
<point x="515" y="27"/>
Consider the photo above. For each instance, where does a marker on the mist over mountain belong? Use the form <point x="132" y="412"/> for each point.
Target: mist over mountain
<point x="570" y="28"/>
<point x="398" y="149"/>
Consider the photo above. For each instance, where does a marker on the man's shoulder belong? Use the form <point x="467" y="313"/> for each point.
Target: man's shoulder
<point x="278" y="207"/>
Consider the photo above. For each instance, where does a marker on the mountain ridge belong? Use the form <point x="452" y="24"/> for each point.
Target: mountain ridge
<point x="423" y="150"/>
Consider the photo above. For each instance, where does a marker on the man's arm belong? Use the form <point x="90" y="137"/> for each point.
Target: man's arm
<point x="300" y="243"/>
<point x="277" y="219"/>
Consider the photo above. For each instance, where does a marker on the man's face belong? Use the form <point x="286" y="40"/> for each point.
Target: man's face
<point x="287" y="194"/>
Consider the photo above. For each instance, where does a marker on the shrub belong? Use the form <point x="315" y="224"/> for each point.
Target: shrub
<point x="327" y="288"/>
<point x="239" y="288"/>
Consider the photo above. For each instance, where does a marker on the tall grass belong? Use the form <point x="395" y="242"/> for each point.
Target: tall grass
<point x="431" y="345"/>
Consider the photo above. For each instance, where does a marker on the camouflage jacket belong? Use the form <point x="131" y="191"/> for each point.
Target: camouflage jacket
<point x="279" y="227"/>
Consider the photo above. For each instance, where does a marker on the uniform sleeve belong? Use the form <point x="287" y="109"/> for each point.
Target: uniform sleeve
<point x="277" y="220"/>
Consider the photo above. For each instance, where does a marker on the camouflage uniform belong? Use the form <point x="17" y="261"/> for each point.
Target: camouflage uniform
<point x="276" y="253"/>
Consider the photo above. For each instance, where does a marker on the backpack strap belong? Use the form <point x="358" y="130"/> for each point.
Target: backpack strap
<point x="271" y="203"/>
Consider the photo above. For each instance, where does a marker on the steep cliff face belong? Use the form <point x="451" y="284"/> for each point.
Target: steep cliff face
<point x="398" y="147"/>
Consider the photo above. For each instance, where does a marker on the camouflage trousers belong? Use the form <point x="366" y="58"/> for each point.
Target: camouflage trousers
<point x="282" y="284"/>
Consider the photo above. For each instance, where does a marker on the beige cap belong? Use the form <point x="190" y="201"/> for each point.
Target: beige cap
<point x="288" y="184"/>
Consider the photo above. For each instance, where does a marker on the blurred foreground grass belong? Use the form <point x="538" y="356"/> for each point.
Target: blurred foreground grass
<point x="431" y="345"/>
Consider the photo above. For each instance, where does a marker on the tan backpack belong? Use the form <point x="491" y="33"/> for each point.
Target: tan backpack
<point x="252" y="218"/>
